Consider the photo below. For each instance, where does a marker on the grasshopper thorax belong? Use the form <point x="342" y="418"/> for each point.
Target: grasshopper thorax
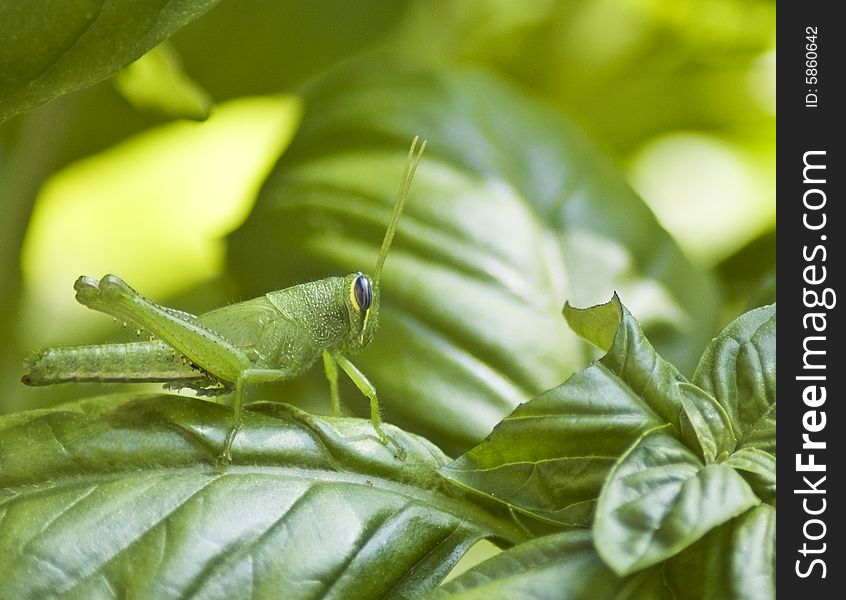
<point x="362" y="303"/>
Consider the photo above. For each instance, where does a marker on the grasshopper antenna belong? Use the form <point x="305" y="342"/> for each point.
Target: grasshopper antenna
<point x="407" y="175"/>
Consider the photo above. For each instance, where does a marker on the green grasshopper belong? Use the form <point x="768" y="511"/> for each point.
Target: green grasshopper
<point x="274" y="337"/>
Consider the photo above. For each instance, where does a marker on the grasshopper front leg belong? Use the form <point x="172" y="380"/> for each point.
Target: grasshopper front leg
<point x="182" y="331"/>
<point x="365" y="387"/>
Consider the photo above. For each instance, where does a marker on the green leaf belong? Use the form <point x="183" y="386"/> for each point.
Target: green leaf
<point x="53" y="47"/>
<point x="632" y="358"/>
<point x="660" y="499"/>
<point x="511" y="213"/>
<point x="735" y="560"/>
<point x="705" y="426"/>
<point x="556" y="566"/>
<point x="156" y="83"/>
<point x="597" y="324"/>
<point x="550" y="457"/>
<point x="758" y="468"/>
<point x="738" y="369"/>
<point x="120" y="497"/>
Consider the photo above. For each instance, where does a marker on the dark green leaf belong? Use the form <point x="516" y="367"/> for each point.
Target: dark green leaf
<point x="705" y="426"/>
<point x="735" y="560"/>
<point x="660" y="499"/>
<point x="550" y="457"/>
<point x="738" y="369"/>
<point x="512" y="212"/>
<point x="556" y="566"/>
<point x="276" y="46"/>
<point x="748" y="275"/>
<point x="52" y="47"/>
<point x="120" y="497"/>
<point x="759" y="470"/>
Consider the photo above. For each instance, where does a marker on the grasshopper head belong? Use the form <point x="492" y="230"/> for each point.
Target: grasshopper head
<point x="362" y="302"/>
<point x="362" y="298"/>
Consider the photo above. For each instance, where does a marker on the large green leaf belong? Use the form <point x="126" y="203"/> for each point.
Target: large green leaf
<point x="735" y="560"/>
<point x="120" y="497"/>
<point x="550" y="457"/>
<point x="51" y="47"/>
<point x="512" y="213"/>
<point x="556" y="566"/>
<point x="660" y="499"/>
<point x="738" y="369"/>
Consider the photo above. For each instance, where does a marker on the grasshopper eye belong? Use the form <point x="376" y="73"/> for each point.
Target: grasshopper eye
<point x="362" y="292"/>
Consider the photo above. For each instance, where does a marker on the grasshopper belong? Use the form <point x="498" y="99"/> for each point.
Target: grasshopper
<point x="274" y="337"/>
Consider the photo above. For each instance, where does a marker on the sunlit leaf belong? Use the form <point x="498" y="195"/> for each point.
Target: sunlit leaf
<point x="156" y="83"/>
<point x="152" y="209"/>
<point x="728" y="196"/>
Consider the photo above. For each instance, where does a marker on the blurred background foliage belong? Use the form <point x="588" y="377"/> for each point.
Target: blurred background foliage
<point x="146" y="173"/>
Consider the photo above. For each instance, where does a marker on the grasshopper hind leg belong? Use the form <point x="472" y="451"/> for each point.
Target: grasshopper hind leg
<point x="207" y="349"/>
<point x="248" y="376"/>
<point x="226" y="365"/>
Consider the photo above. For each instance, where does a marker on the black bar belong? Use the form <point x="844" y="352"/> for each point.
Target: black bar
<point x="811" y="227"/>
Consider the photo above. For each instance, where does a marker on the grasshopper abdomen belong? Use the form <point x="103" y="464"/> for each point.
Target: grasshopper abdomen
<point x="152" y="361"/>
